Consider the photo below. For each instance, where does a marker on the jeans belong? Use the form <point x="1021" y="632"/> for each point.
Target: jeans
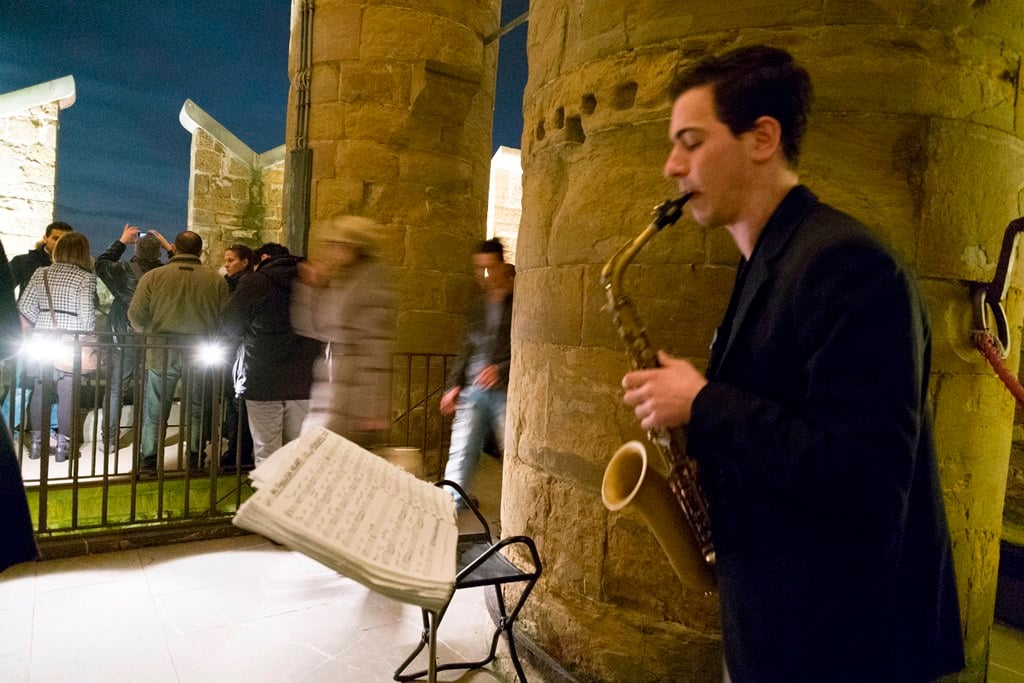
<point x="476" y="411"/>
<point x="42" y="400"/>
<point x="156" y="408"/>
<point x="273" y="424"/>
<point x="122" y="364"/>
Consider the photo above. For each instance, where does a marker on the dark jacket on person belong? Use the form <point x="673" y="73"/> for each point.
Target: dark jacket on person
<point x="121" y="277"/>
<point x="23" y="265"/>
<point x="496" y="347"/>
<point x="17" y="540"/>
<point x="273" y="362"/>
<point x="814" y="439"/>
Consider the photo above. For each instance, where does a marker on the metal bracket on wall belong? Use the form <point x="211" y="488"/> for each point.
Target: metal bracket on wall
<point x="986" y="297"/>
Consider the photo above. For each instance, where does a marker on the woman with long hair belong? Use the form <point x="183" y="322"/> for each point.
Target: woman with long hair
<point x="59" y="297"/>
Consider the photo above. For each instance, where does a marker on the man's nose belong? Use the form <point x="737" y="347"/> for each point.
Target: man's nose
<point x="676" y="165"/>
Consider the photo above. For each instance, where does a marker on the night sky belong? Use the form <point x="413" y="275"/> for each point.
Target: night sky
<point x="123" y="156"/>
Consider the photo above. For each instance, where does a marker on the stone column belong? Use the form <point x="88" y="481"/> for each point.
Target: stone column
<point x="400" y="128"/>
<point x="915" y="131"/>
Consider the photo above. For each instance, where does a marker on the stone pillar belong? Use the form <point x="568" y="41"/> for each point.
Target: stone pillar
<point x="29" y="121"/>
<point x="915" y="130"/>
<point x="401" y="96"/>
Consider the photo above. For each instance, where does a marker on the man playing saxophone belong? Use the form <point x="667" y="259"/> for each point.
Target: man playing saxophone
<point x="810" y="427"/>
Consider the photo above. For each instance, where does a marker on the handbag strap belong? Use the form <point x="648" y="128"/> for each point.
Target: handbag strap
<point x="49" y="298"/>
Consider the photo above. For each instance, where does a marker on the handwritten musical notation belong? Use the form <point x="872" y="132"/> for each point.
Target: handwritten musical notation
<point x="355" y="512"/>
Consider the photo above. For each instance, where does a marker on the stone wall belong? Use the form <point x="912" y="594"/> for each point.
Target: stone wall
<point x="29" y="121"/>
<point x="235" y="194"/>
<point x="400" y="130"/>
<point x="916" y="130"/>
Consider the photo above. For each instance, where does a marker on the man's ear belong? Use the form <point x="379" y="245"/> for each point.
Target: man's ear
<point x="766" y="137"/>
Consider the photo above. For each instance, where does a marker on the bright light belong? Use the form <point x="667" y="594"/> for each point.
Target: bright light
<point x="43" y="348"/>
<point x="211" y="353"/>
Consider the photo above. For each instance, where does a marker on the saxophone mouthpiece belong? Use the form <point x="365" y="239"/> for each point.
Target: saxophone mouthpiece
<point x="670" y="211"/>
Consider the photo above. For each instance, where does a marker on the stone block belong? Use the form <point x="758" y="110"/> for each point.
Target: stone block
<point x="446" y="173"/>
<point x="549" y="305"/>
<point x="200" y="184"/>
<point x="367" y="160"/>
<point x="427" y="332"/>
<point x="207" y="161"/>
<point x="374" y="121"/>
<point x="406" y="34"/>
<point x="421" y="290"/>
<point x="429" y="249"/>
<point x="326" y="122"/>
<point x="383" y="82"/>
<point x="236" y="168"/>
<point x="323" y="158"/>
<point x="935" y="74"/>
<point x="334" y="196"/>
<point x="324" y="84"/>
<point x="336" y="32"/>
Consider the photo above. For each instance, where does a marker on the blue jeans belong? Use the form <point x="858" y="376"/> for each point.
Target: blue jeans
<point x="476" y="411"/>
<point x="156" y="409"/>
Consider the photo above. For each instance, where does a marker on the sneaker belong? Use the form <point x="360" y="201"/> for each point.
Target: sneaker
<point x="35" y="445"/>
<point x="147" y="467"/>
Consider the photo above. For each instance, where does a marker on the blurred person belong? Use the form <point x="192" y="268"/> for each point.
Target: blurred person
<point x="17" y="540"/>
<point x="476" y="387"/>
<point x="273" y="371"/>
<point x="71" y="287"/>
<point x="121" y="278"/>
<point x="344" y="296"/>
<point x="23" y="265"/>
<point x="181" y="297"/>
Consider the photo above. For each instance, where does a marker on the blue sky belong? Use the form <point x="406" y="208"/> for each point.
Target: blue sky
<point x="123" y="154"/>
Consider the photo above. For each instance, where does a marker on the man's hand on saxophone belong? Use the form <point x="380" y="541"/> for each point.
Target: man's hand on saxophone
<point x="662" y="397"/>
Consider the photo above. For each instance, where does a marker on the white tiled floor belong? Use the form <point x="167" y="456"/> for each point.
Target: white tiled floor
<point x="238" y="609"/>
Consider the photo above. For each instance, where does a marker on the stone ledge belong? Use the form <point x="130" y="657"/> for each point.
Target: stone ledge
<point x="60" y="90"/>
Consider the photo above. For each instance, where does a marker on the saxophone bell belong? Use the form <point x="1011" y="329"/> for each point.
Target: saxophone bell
<point x="630" y="480"/>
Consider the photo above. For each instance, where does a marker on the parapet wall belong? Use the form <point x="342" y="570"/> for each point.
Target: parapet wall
<point x="234" y="193"/>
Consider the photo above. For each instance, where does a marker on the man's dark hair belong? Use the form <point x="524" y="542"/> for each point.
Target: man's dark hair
<point x="188" y="242"/>
<point x="491" y="246"/>
<point x="57" y="225"/>
<point x="270" y="250"/>
<point x="751" y="82"/>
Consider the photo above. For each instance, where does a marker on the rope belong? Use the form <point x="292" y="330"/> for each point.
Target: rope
<point x="987" y="345"/>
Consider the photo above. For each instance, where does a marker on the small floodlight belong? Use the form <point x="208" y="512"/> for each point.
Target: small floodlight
<point x="211" y="353"/>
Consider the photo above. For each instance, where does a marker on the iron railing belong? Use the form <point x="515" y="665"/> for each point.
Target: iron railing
<point x="102" y="494"/>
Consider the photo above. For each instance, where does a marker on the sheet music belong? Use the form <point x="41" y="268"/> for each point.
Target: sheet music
<point x="357" y="513"/>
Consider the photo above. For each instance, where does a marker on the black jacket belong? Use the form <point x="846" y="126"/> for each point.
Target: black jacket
<point x="497" y="347"/>
<point x="273" y="362"/>
<point x="120" y="277"/>
<point x="17" y="541"/>
<point x="814" y="439"/>
<point x="23" y="265"/>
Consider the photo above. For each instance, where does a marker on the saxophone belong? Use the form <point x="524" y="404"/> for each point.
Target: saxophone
<point x="675" y="510"/>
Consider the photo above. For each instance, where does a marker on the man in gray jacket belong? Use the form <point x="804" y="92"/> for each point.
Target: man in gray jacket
<point x="184" y="297"/>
